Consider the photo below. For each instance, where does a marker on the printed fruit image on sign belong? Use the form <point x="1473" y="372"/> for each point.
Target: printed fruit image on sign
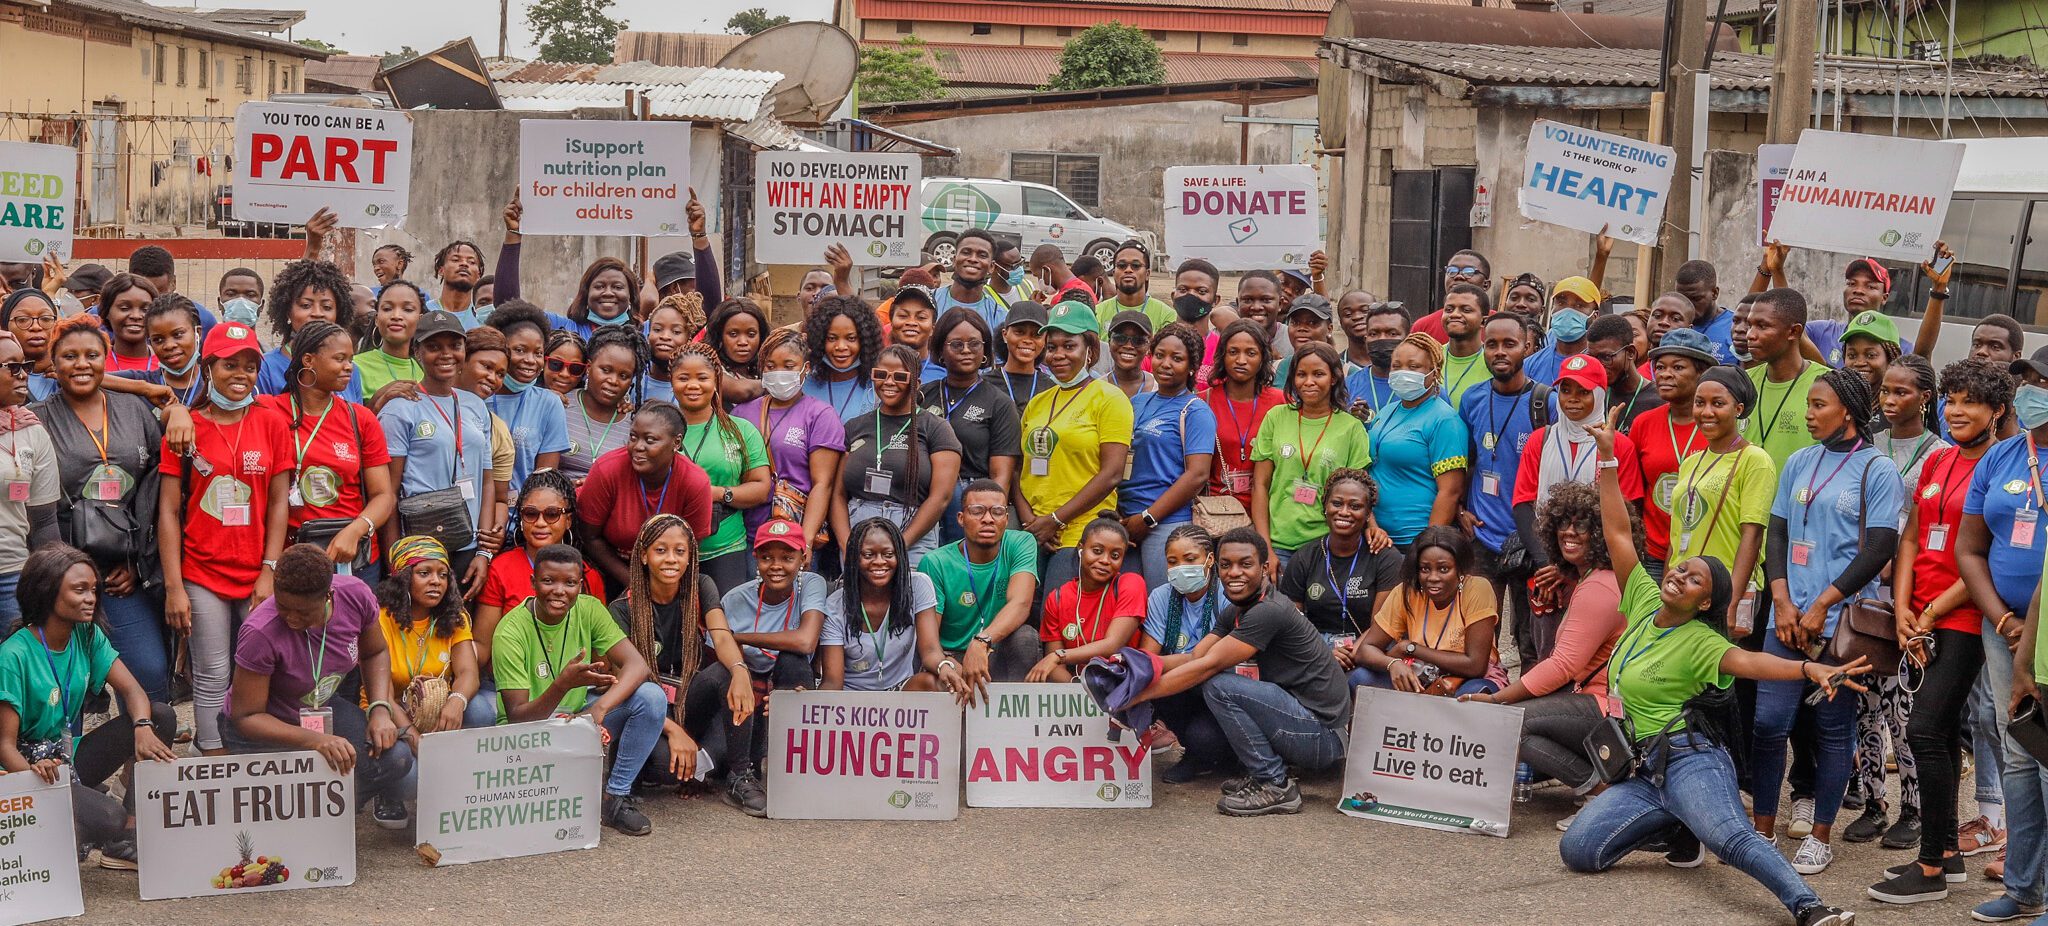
<point x="253" y="870"/>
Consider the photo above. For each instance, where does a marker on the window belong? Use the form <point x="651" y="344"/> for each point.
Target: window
<point x="1064" y="31"/>
<point x="2033" y="276"/>
<point x="162" y="68"/>
<point x="182" y="57"/>
<point x="903" y="27"/>
<point x="245" y="75"/>
<point x="1046" y="204"/>
<point x="1077" y="175"/>
<point x="1158" y="35"/>
<point x="205" y="69"/>
<point x="1239" y="40"/>
<point x="983" y="28"/>
<point x="1982" y="231"/>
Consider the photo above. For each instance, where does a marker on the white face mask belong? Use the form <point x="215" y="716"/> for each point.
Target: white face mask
<point x="782" y="385"/>
<point x="1188" y="580"/>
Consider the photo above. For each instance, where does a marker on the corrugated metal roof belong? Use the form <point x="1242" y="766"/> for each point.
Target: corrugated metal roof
<point x="698" y="94"/>
<point x="358" y="72"/>
<point x="1627" y="67"/>
<point x="676" y="49"/>
<point x="1175" y="16"/>
<point x="1011" y="66"/>
<point x="137" y="13"/>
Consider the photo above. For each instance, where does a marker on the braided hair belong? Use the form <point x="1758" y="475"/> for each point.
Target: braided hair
<point x="552" y="479"/>
<point x="1925" y="381"/>
<point x="307" y="341"/>
<point x="1199" y="536"/>
<point x="709" y="355"/>
<point x="1362" y="478"/>
<point x="1854" y="392"/>
<point x="625" y="336"/>
<point x="640" y="597"/>
<point x="856" y="578"/>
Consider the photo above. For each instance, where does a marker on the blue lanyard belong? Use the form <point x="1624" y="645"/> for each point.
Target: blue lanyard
<point x="1621" y="665"/>
<point x="1330" y="569"/>
<point x="952" y="404"/>
<point x="1013" y="391"/>
<point x="839" y="405"/>
<point x="77" y="723"/>
<point x="1571" y="467"/>
<point x="1493" y="426"/>
<point x="1372" y="389"/>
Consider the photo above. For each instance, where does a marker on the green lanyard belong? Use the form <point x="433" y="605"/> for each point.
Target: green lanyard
<point x="880" y="641"/>
<point x="879" y="446"/>
<point x="299" y="415"/>
<point x="606" y="434"/>
<point x="318" y="657"/>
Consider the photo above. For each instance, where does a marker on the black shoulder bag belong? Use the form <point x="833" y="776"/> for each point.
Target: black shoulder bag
<point x="442" y="514"/>
<point x="322" y="531"/>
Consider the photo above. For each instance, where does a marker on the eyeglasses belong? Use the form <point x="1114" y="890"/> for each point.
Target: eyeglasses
<point x="530" y="513"/>
<point x="987" y="512"/>
<point x="900" y="377"/>
<point x="1135" y="340"/>
<point x="1461" y="270"/>
<point x="1605" y="358"/>
<point x="33" y="321"/>
<point x="571" y="367"/>
<point x="17" y="367"/>
<point x="960" y="346"/>
<point x="1130" y="265"/>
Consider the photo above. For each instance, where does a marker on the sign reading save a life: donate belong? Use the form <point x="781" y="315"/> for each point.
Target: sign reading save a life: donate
<point x="863" y="755"/>
<point x="1867" y="195"/>
<point x="1254" y="217"/>
<point x="1583" y="179"/>
<point x="512" y="790"/>
<point x="219" y="825"/>
<point x="292" y="160"/>
<point x="1432" y="762"/>
<point x="603" y="177"/>
<point x="38" y="852"/>
<point x="1039" y="745"/>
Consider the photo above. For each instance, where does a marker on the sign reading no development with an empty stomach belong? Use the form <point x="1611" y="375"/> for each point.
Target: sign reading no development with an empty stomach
<point x="805" y="202"/>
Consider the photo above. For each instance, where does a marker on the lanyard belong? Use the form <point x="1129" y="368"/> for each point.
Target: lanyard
<point x="452" y="426"/>
<point x="1372" y="389"/>
<point x="1101" y="602"/>
<point x="1052" y="410"/>
<point x="1244" y="440"/>
<point x="766" y="427"/>
<point x="1948" y="493"/>
<point x="318" y="658"/>
<point x="1891" y="450"/>
<point x="1457" y="602"/>
<point x="653" y="502"/>
<point x="1813" y="492"/>
<point x="63" y="690"/>
<point x="2034" y="471"/>
<point x="1308" y="455"/>
<point x="788" y="614"/>
<point x="1493" y="425"/>
<point x="99" y="440"/>
<point x="1571" y="466"/>
<point x="907" y="419"/>
<point x="605" y="435"/>
<point x="1671" y="431"/>
<point x="299" y="415"/>
<point x="697" y="452"/>
<point x="1012" y="390"/>
<point x="953" y="404"/>
<point x="1642" y="646"/>
<point x="839" y="405"/>
<point x="1459" y="383"/>
<point x="1628" y="419"/>
<point x="1180" y="601"/>
<point x="1772" y="423"/>
<point x="412" y="668"/>
<point x="1351" y="567"/>
<point x="987" y="593"/>
<point x="554" y="659"/>
<point x="879" y="641"/>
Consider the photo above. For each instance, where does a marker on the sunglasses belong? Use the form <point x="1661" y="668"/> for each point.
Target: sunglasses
<point x="1459" y="270"/>
<point x="900" y="377"/>
<point x="17" y="367"/>
<point x="571" y="367"/>
<point x="1136" y="340"/>
<point x="542" y="515"/>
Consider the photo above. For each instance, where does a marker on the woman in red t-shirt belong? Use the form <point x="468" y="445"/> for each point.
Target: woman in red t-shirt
<point x="1240" y="392"/>
<point x="1935" y="607"/>
<point x="342" y="465"/>
<point x="1096" y="614"/>
<point x="220" y="538"/>
<point x="544" y="514"/>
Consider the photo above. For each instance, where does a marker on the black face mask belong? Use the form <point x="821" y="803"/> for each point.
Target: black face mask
<point x="1191" y="308"/>
<point x="1381" y="350"/>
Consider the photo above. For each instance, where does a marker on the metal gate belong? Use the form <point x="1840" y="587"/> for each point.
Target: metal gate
<point x="1429" y="220"/>
<point x="736" y="193"/>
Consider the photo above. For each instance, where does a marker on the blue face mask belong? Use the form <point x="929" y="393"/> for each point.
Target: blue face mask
<point x="1015" y="277"/>
<point x="514" y="385"/>
<point x="620" y="319"/>
<point x="2031" y="404"/>
<point x="221" y="402"/>
<point x="1408" y="385"/>
<point x="239" y="310"/>
<point x="190" y="363"/>
<point x="1568" y="325"/>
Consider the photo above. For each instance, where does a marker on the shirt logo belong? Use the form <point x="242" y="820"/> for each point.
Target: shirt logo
<point x="1933" y="489"/>
<point x="796" y="437"/>
<point x="423" y="430"/>
<point x="343" y="451"/>
<point x="252" y="461"/>
<point x="967" y="599"/>
<point x="974" y="413"/>
<point x="2015" y="487"/>
<point x="1315" y="590"/>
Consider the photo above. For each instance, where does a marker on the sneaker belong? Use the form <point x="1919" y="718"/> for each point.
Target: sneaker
<point x="1813" y="857"/>
<point x="1979" y="836"/>
<point x="119" y="855"/>
<point x="390" y="813"/>
<point x="1234" y="785"/>
<point x="1262" y="798"/>
<point x="1910" y="886"/>
<point x="1686" y="851"/>
<point x="743" y="790"/>
<point x="1801" y="825"/>
<point x="622" y="813"/>
<point x="1868" y="826"/>
<point x="1905" y="834"/>
<point x="1821" y="914"/>
<point x="1951" y="869"/>
<point x="1566" y="823"/>
<point x="1994" y="870"/>
<point x="2001" y="909"/>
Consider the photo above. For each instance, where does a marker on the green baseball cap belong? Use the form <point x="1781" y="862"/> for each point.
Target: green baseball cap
<point x="1873" y="324"/>
<point x="1074" y="318"/>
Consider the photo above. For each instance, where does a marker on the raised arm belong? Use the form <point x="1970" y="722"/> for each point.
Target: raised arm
<point x="1614" y="511"/>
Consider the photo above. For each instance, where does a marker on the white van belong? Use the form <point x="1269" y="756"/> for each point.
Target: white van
<point x="1035" y="213"/>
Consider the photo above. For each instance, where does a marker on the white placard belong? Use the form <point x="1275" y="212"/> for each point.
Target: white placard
<point x="36" y="200"/>
<point x="1243" y="217"/>
<point x="38" y="850"/>
<point x="293" y="160"/>
<point x="205" y="825"/>
<point x="863" y="755"/>
<point x="603" y="177"/>
<point x="1867" y="195"/>
<point x="1432" y="762"/>
<point x="867" y="203"/>
<point x="1584" y="179"/>
<point x="512" y="790"/>
<point x="1048" y="745"/>
<point x="1773" y="165"/>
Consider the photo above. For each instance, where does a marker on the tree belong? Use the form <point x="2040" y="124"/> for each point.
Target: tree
<point x="1109" y="54"/>
<point x="393" y="58"/>
<point x="574" y="31"/>
<point x="753" y="22"/>
<point x="318" y="45"/>
<point x="895" y="75"/>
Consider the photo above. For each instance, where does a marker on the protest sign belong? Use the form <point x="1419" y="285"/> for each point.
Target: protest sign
<point x="1432" y="762"/>
<point x="293" y="160"/>
<point x="1257" y="217"/>
<point x="1048" y="746"/>
<point x="592" y="177"/>
<point x="275" y="821"/>
<point x="38" y="852"/>
<point x="1867" y="195"/>
<point x="1773" y="165"/>
<point x="805" y="202"/>
<point x="36" y="201"/>
<point x="1583" y="179"/>
<point x="503" y="792"/>
<point x="863" y="755"/>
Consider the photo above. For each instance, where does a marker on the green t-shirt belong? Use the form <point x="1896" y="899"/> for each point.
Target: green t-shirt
<point x="48" y="700"/>
<point x="726" y="461"/>
<point x="1159" y="312"/>
<point x="1778" y="422"/>
<point x="1462" y="373"/>
<point x="1714" y="496"/>
<point x="1657" y="669"/>
<point x="526" y="654"/>
<point x="970" y="595"/>
<point x="380" y="369"/>
<point x="1304" y="454"/>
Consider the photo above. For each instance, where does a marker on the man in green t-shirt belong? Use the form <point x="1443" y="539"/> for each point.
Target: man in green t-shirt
<point x="986" y="582"/>
<point x="1133" y="276"/>
<point x="1777" y="320"/>
<point x="549" y="652"/>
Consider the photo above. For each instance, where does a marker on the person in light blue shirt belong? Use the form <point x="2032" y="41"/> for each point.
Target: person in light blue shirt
<point x="443" y="439"/>
<point x="1697" y="282"/>
<point x="539" y="426"/>
<point x="305" y="291"/>
<point x="842" y="339"/>
<point x="1178" y="615"/>
<point x="973" y="261"/>
<point x="1419" y="446"/>
<point x="1500" y="417"/>
<point x="1173" y="447"/>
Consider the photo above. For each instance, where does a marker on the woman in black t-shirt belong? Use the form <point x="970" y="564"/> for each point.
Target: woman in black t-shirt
<point x="894" y="456"/>
<point x="982" y="417"/>
<point x="1337" y="582"/>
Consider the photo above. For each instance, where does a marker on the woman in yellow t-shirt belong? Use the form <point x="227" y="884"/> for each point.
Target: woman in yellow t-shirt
<point x="1077" y="436"/>
<point x="428" y="635"/>
<point x="1436" y="634"/>
<point x="1721" y="501"/>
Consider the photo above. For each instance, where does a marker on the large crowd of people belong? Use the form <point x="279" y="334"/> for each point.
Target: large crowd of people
<point x="434" y="504"/>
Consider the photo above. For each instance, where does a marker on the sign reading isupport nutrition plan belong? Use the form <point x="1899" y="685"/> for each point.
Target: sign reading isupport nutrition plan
<point x="807" y="201"/>
<point x="1583" y="179"/>
<point x="36" y="201"/>
<point x="215" y="826"/>
<point x="38" y="853"/>
<point x="603" y="177"/>
<point x="847" y="755"/>
<point x="1867" y="195"/>
<point x="1431" y="762"/>
<point x="292" y="161"/>
<point x="1238" y="217"/>
<point x="507" y="791"/>
<point x="1035" y="745"/>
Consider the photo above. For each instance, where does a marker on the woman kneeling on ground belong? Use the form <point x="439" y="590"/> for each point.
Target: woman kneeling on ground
<point x="425" y="627"/>
<point x="898" y="616"/>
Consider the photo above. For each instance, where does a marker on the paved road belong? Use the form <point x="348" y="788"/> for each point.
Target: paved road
<point x="1177" y="863"/>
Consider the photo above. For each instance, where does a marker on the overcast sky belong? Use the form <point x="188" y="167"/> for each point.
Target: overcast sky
<point x="368" y="27"/>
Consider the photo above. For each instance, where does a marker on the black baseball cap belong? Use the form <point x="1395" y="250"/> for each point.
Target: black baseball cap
<point x="1312" y="303"/>
<point x="88" y="278"/>
<point x="439" y="321"/>
<point x="2038" y="363"/>
<point x="1023" y="313"/>
<point x="674" y="268"/>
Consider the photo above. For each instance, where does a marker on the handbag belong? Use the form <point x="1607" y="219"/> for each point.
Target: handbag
<point x="106" y="532"/>
<point x="442" y="514"/>
<point x="322" y="531"/>
<point x="1611" y="749"/>
<point x="1866" y="628"/>
<point x="1218" y="513"/>
<point x="2029" y="728"/>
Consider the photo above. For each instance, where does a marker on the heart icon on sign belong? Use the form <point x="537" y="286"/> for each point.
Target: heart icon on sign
<point x="1243" y="229"/>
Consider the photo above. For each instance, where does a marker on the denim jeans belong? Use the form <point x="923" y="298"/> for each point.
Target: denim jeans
<point x="1699" y="793"/>
<point x="2026" y="788"/>
<point x="635" y="726"/>
<point x="1187" y="715"/>
<point x="861" y="509"/>
<point x="10" y="608"/>
<point x="1778" y="705"/>
<point x="1149" y="558"/>
<point x="1986" y="752"/>
<point x="387" y="775"/>
<point x="135" y="625"/>
<point x="1268" y="728"/>
<point x="482" y="710"/>
<point x="1373" y="678"/>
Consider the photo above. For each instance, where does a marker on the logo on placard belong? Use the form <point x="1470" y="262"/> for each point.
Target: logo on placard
<point x="1242" y="229"/>
<point x="899" y="799"/>
<point x="568" y="832"/>
<point x="1109" y="792"/>
<point x="34" y="246"/>
<point x="1890" y="237"/>
<point x="877" y="249"/>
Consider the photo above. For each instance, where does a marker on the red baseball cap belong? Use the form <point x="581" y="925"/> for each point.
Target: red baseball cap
<point x="781" y="530"/>
<point x="1583" y="370"/>
<point x="228" y="339"/>
<point x="1870" y="266"/>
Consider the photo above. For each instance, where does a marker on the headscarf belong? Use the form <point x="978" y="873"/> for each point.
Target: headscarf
<point x="1736" y="382"/>
<point x="414" y="549"/>
<point x="1568" y="453"/>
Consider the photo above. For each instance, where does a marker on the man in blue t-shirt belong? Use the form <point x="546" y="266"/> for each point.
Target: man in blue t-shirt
<point x="974" y="253"/>
<point x="1386" y="323"/>
<point x="1698" y="284"/>
<point x="1500" y="417"/>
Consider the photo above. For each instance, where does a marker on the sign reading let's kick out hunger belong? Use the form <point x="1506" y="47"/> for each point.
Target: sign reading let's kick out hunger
<point x="218" y="825"/>
<point x="863" y="755"/>
<point x="1037" y="745"/>
<point x="507" y="791"/>
<point x="36" y="214"/>
<point x="38" y="852"/>
<point x="603" y="177"/>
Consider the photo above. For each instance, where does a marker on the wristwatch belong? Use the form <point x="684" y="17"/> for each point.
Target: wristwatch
<point x="728" y="496"/>
<point x="143" y="722"/>
<point x="986" y="641"/>
<point x="1150" y="521"/>
<point x="1059" y="656"/>
<point x="1409" y="649"/>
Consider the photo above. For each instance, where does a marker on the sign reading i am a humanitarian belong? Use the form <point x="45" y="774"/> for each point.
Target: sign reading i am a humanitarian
<point x="1773" y="165"/>
<point x="603" y="177"/>
<point x="1431" y="762"/>
<point x="38" y="852"/>
<point x="1048" y="746"/>
<point x="219" y="825"/>
<point x="1244" y="217"/>
<point x="1867" y="195"/>
<point x="1586" y="180"/>
<point x="508" y="791"/>
<point x="807" y="201"/>
<point x="863" y="755"/>
<point x="36" y="201"/>
<point x="292" y="161"/>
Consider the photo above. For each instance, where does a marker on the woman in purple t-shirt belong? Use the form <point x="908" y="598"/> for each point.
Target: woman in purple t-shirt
<point x="805" y="438"/>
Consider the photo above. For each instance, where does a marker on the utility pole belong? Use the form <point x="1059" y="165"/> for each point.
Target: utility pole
<point x="504" y="24"/>
<point x="1792" y="71"/>
<point x="1684" y="104"/>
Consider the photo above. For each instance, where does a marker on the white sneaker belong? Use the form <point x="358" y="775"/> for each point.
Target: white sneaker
<point x="1566" y="823"/>
<point x="1813" y="857"/>
<point x="1802" y="819"/>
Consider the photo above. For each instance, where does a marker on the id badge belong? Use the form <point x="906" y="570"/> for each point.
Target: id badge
<point x="2023" y="522"/>
<point x="294" y="497"/>
<point x="17" y="491"/>
<point x="1306" y="493"/>
<point x="1345" y="642"/>
<point x="1236" y="482"/>
<point x="1489" y="483"/>
<point x="1802" y="552"/>
<point x="320" y="721"/>
<point x="108" y="490"/>
<point x="1249" y="670"/>
<point x="1041" y="466"/>
<point x="468" y="487"/>
<point x="234" y="515"/>
<point x="880" y="482"/>
<point x="1937" y="538"/>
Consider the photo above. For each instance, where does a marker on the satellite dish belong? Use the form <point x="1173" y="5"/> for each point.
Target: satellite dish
<point x="817" y="61"/>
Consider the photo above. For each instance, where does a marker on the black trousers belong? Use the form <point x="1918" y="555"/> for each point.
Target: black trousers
<point x="96" y="816"/>
<point x="1935" y="733"/>
<point x="745" y="743"/>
